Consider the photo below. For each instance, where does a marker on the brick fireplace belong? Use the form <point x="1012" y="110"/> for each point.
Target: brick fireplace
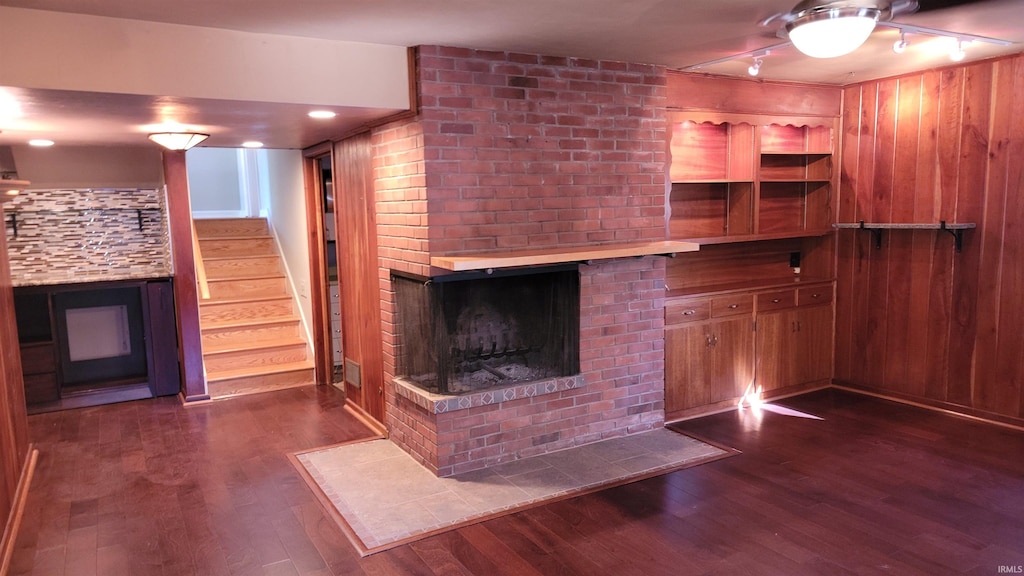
<point x="523" y="151"/>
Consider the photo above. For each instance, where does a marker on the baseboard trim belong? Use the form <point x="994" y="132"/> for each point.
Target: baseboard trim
<point x="17" y="510"/>
<point x="364" y="417"/>
<point x="936" y="406"/>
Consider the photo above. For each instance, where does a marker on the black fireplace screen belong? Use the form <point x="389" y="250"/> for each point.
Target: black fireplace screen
<point x="459" y="334"/>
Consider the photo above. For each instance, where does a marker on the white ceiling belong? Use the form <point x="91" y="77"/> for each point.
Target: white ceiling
<point x="674" y="33"/>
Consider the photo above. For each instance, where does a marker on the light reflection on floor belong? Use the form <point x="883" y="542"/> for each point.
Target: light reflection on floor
<point x="753" y="405"/>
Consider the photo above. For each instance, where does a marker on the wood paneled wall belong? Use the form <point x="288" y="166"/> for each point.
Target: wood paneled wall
<point x="13" y="419"/>
<point x="915" y="319"/>
<point x="359" y="272"/>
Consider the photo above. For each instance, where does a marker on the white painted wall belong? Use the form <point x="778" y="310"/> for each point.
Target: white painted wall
<point x="214" y="183"/>
<point x="281" y="170"/>
<point x="64" y="51"/>
<point x="73" y="167"/>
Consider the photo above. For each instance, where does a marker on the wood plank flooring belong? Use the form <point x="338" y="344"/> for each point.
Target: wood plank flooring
<point x="152" y="488"/>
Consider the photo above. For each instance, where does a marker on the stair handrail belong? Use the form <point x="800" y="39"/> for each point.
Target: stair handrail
<point x="204" y="287"/>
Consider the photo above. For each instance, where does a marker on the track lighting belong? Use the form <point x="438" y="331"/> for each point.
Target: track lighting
<point x="900" y="45"/>
<point x="755" y="68"/>
<point x="958" y="53"/>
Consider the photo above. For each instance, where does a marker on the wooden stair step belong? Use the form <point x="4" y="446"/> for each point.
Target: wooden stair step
<point x="241" y="266"/>
<point x="211" y="311"/>
<point x="255" y="379"/>
<point x="254" y="330"/>
<point x="251" y="287"/>
<point x="211" y="227"/>
<point x="264" y="356"/>
<point x="237" y="246"/>
<point x="228" y="347"/>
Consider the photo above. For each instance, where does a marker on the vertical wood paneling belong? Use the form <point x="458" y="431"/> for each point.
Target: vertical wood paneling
<point x="947" y="151"/>
<point x="923" y="252"/>
<point x="877" y="349"/>
<point x="1008" y="390"/>
<point x="13" y="420"/>
<point x="846" y="211"/>
<point x="971" y="193"/>
<point x="359" y="270"/>
<point x="899" y="295"/>
<point x="946" y="145"/>
<point x="986" y="350"/>
<point x="863" y="331"/>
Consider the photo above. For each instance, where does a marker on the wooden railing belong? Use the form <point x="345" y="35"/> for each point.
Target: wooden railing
<point x="204" y="287"/>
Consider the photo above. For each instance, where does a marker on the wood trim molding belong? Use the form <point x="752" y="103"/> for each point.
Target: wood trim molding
<point x="318" y="274"/>
<point x="934" y="405"/>
<point x="186" y="293"/>
<point x="17" y="510"/>
<point x="364" y="417"/>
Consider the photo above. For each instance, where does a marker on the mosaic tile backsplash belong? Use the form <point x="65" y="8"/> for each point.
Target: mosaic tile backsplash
<point x="71" y="236"/>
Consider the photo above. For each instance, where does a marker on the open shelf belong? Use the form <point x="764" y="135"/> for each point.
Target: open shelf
<point x="737" y="179"/>
<point x="955" y="229"/>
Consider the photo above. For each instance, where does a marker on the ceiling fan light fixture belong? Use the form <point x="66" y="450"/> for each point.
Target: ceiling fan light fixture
<point x="178" y="140"/>
<point x="829" y="32"/>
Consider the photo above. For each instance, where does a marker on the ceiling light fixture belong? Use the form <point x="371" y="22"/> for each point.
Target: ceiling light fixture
<point x="252" y="144"/>
<point x="178" y="140"/>
<point x="40" y="143"/>
<point x="900" y="45"/>
<point x="322" y="114"/>
<point x="832" y="29"/>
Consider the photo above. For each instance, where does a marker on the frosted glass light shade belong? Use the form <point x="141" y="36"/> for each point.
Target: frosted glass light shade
<point x="832" y="33"/>
<point x="178" y="140"/>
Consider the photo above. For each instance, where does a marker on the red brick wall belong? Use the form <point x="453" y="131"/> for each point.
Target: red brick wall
<point x="518" y="150"/>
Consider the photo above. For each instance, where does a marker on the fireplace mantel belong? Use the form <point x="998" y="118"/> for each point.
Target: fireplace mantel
<point x="539" y="257"/>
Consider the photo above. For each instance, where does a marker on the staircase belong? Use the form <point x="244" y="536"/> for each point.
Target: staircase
<point x="252" y="340"/>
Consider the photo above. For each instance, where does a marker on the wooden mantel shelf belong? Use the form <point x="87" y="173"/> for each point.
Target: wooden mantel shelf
<point x="513" y="258"/>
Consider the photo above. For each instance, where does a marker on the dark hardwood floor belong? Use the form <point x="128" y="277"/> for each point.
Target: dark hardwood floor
<point x="149" y="487"/>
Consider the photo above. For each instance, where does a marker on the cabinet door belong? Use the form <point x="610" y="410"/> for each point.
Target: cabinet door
<point x="732" y="350"/>
<point x="688" y="365"/>
<point x="776" y="343"/>
<point x="814" y="344"/>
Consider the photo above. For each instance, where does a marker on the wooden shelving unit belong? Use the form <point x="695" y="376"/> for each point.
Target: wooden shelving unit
<point x="742" y="178"/>
<point x="955" y="229"/>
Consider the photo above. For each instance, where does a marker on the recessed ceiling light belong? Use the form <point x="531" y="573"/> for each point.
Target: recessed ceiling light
<point x="42" y="143"/>
<point x="322" y="114"/>
<point x="252" y="144"/>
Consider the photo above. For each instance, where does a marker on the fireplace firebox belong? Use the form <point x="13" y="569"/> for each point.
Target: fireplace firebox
<point x="464" y="333"/>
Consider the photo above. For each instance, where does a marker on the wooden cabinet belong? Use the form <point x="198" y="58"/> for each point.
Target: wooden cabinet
<point x="794" y="345"/>
<point x="709" y="361"/>
<point x="748" y="177"/>
<point x="720" y="346"/>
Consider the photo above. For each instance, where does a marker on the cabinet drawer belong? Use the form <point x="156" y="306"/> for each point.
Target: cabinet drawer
<point x="734" y="305"/>
<point x="776" y="300"/>
<point x="679" y="312"/>
<point x="814" y="295"/>
<point x="38" y="359"/>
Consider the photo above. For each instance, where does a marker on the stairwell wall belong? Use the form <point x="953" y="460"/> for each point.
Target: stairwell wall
<point x="287" y="216"/>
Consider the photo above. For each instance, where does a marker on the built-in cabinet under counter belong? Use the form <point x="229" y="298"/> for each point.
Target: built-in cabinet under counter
<point x="719" y="347"/>
<point x="747" y="318"/>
